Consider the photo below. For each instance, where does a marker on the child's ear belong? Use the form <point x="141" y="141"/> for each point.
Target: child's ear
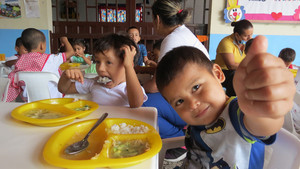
<point x="17" y="49"/>
<point x="43" y="46"/>
<point x="218" y="73"/>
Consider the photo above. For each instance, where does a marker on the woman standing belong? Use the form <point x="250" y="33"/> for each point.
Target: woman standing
<point x="231" y="51"/>
<point x="168" y="20"/>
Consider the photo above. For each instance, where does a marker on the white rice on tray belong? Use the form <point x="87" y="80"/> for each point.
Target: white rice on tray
<point x="124" y="128"/>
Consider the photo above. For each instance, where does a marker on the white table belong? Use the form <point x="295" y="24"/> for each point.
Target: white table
<point x="21" y="144"/>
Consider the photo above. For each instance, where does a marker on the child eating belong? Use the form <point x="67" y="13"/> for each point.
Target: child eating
<point x="117" y="83"/>
<point x="227" y="132"/>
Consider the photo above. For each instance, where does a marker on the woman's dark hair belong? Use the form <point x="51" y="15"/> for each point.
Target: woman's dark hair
<point x="175" y="60"/>
<point x="241" y="26"/>
<point x="31" y="38"/>
<point x="170" y="12"/>
<point x="157" y="44"/>
<point x="80" y="42"/>
<point x="114" y="42"/>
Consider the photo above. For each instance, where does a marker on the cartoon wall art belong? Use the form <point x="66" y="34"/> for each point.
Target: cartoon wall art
<point x="233" y="12"/>
<point x="270" y="11"/>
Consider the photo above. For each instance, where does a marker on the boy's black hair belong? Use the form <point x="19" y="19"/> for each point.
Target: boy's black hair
<point x="80" y="42"/>
<point x="133" y="27"/>
<point x="248" y="44"/>
<point x="31" y="38"/>
<point x="287" y="54"/>
<point x="115" y="42"/>
<point x="18" y="42"/>
<point x="157" y="44"/>
<point x="174" y="61"/>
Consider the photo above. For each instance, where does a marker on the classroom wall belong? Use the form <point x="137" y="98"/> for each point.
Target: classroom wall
<point x="280" y="35"/>
<point x="11" y="29"/>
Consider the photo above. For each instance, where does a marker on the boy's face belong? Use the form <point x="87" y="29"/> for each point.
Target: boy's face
<point x="21" y="50"/>
<point x="79" y="50"/>
<point x="111" y="66"/>
<point x="134" y="34"/>
<point x="156" y="53"/>
<point x="197" y="95"/>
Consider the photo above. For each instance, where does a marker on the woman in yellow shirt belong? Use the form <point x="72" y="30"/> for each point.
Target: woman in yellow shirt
<point x="230" y="51"/>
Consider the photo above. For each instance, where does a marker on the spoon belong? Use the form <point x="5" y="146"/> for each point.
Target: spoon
<point x="83" y="144"/>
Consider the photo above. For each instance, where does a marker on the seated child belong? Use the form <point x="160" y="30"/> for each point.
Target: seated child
<point x="155" y="54"/>
<point x="117" y="83"/>
<point x="36" y="60"/>
<point x="80" y="47"/>
<point x="288" y="56"/>
<point x="20" y="49"/>
<point x="227" y="132"/>
<point x="134" y="34"/>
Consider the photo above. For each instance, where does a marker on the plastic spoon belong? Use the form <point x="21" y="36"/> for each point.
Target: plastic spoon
<point x="83" y="144"/>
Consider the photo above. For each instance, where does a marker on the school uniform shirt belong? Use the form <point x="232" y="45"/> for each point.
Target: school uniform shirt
<point x="77" y="59"/>
<point x="181" y="36"/>
<point x="116" y="96"/>
<point x="226" y="144"/>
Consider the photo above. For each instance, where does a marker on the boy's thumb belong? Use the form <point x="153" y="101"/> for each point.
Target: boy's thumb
<point x="259" y="45"/>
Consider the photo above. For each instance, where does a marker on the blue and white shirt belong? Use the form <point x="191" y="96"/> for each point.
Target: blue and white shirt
<point x="225" y="144"/>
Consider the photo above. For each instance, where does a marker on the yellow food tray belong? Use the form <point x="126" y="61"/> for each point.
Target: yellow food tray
<point x="66" y="65"/>
<point x="97" y="153"/>
<point x="294" y="71"/>
<point x="65" y="106"/>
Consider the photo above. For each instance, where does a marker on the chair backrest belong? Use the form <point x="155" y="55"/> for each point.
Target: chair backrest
<point x="37" y="84"/>
<point x="4" y="84"/>
<point x="285" y="151"/>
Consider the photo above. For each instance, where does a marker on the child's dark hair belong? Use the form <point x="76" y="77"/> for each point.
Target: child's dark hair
<point x="132" y="27"/>
<point x="19" y="42"/>
<point x="241" y="26"/>
<point x="287" y="54"/>
<point x="170" y="12"/>
<point x="115" y="42"/>
<point x="157" y="44"/>
<point x="31" y="38"/>
<point x="175" y="60"/>
<point x="248" y="44"/>
<point x="80" y="42"/>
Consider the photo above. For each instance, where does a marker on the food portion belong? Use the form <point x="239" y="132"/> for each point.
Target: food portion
<point x="124" y="128"/>
<point x="43" y="114"/>
<point x="128" y="148"/>
<point x="84" y="108"/>
<point x="103" y="80"/>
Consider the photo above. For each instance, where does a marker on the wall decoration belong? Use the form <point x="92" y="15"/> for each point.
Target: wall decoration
<point x="10" y="9"/>
<point x="32" y="8"/>
<point x="233" y="12"/>
<point x="276" y="11"/>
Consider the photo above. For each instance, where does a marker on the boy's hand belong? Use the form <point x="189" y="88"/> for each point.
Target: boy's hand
<point x="264" y="87"/>
<point x="74" y="74"/>
<point x="129" y="53"/>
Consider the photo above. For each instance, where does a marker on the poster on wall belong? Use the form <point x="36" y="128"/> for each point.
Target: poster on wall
<point x="10" y="9"/>
<point x="276" y="11"/>
<point x="32" y="8"/>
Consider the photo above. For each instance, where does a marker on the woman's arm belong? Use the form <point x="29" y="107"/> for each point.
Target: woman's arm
<point x="134" y="89"/>
<point x="229" y="61"/>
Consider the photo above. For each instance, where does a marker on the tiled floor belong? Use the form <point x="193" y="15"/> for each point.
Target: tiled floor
<point x="171" y="165"/>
